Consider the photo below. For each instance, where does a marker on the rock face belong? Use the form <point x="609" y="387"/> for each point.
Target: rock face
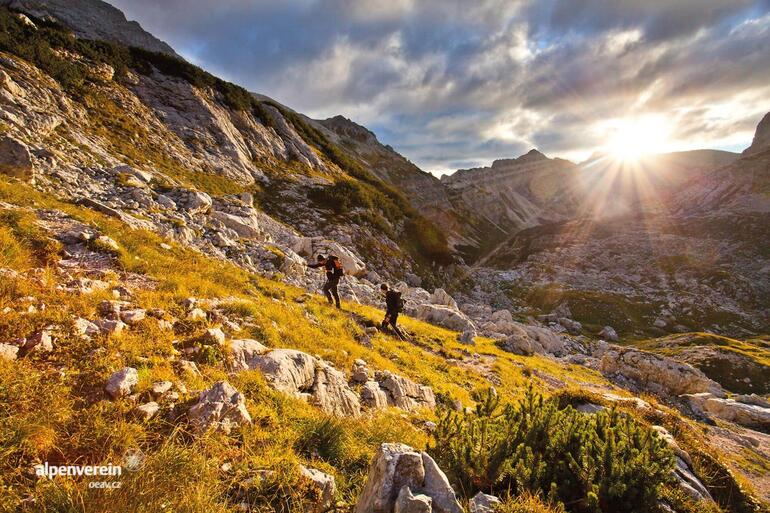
<point x="403" y="393"/>
<point x="761" y="140"/>
<point x="15" y="159"/>
<point x="221" y="407"/>
<point x="683" y="472"/>
<point x="396" y="467"/>
<point x="656" y="374"/>
<point x="92" y="19"/>
<point x="746" y="414"/>
<point x="122" y="382"/>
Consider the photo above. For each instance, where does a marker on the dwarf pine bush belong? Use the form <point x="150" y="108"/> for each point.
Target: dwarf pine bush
<point x="605" y="462"/>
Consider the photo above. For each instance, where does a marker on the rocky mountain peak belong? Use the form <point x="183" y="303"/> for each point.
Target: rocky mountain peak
<point x="532" y="155"/>
<point x="761" y="140"/>
<point x="92" y="19"/>
<point x="349" y="129"/>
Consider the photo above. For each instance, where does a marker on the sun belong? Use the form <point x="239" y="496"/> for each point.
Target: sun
<point x="630" y="139"/>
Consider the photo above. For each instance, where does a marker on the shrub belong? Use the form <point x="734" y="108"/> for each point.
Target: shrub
<point x="590" y="463"/>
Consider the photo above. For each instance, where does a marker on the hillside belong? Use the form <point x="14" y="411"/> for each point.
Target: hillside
<point x="157" y="313"/>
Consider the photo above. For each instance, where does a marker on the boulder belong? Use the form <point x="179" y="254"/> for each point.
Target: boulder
<point x="407" y="502"/>
<point x="467" y="337"/>
<point x="110" y="327"/>
<point x="221" y="407"/>
<point x="609" y="333"/>
<point x="245" y="226"/>
<point x="85" y="328"/>
<point x="323" y="487"/>
<point x="332" y="394"/>
<point x="133" y="317"/>
<point x="197" y="202"/>
<point x="360" y="372"/>
<point x="146" y="411"/>
<point x="573" y="327"/>
<point x="483" y="503"/>
<point x="213" y="336"/>
<point x="372" y="396"/>
<point x="161" y="387"/>
<point x="444" y="316"/>
<point x="122" y="382"/>
<point x="503" y="316"/>
<point x="403" y="393"/>
<point x="353" y="265"/>
<point x="655" y="373"/>
<point x="527" y="340"/>
<point x="441" y="297"/>
<point x="244" y="353"/>
<point x="15" y="158"/>
<point x="287" y="370"/>
<point x="749" y="415"/>
<point x="398" y="466"/>
<point x="8" y="352"/>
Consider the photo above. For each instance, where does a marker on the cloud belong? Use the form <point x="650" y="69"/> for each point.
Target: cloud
<point x="452" y="83"/>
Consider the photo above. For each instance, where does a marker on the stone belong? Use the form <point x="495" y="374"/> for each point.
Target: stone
<point x="684" y="472"/>
<point x="655" y="373"/>
<point x="85" y="328"/>
<point x="214" y="336"/>
<point x="121" y="383"/>
<point x="332" y="394"/>
<point x="287" y="370"/>
<point x="41" y="341"/>
<point x="393" y="467"/>
<point x="609" y="333"/>
<point x="468" y="337"/>
<point x="197" y="202"/>
<point x="360" y="372"/>
<point x="323" y="486"/>
<point x="161" y="387"/>
<point x="444" y="316"/>
<point x="441" y="297"/>
<point x="244" y="353"/>
<point x="502" y="316"/>
<point x="244" y="226"/>
<point x="106" y="243"/>
<point x="372" y="396"/>
<point x="221" y="408"/>
<point x="8" y="352"/>
<point x="436" y="486"/>
<point x="749" y="415"/>
<point x="196" y="314"/>
<point x="573" y="327"/>
<point x="110" y="327"/>
<point x="15" y="158"/>
<point x="407" y="502"/>
<point x="483" y="503"/>
<point x="133" y="317"/>
<point x="186" y="366"/>
<point x="146" y="411"/>
<point x="405" y="394"/>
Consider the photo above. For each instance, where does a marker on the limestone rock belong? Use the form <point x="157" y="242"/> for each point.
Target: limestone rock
<point x="287" y="370"/>
<point x="403" y="393"/>
<point x="749" y="415"/>
<point x="655" y="373"/>
<point x="161" y="387"/>
<point x="221" y="407"/>
<point x="146" y="411"/>
<point x="609" y="333"/>
<point x="483" y="503"/>
<point x="444" y="316"/>
<point x="332" y="394"/>
<point x="407" y="502"/>
<point x="15" y="159"/>
<point x="214" y="336"/>
<point x="8" y="352"/>
<point x="244" y="353"/>
<point x="441" y="297"/>
<point x="323" y="486"/>
<point x="122" y="382"/>
<point x="133" y="317"/>
<point x="396" y="467"/>
<point x="372" y="396"/>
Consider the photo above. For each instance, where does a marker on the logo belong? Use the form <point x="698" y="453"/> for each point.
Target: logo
<point x="133" y="460"/>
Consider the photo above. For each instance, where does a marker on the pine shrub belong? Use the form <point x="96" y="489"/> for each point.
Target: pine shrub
<point x="606" y="462"/>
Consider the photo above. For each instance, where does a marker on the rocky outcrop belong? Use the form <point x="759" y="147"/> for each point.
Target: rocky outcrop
<point x="221" y="407"/>
<point x="322" y="486"/>
<point x="746" y="414"/>
<point x="761" y="141"/>
<point x="92" y="19"/>
<point x="683" y="471"/>
<point x="444" y="316"/>
<point x="528" y="340"/>
<point x="396" y="467"/>
<point x="656" y="374"/>
<point x="483" y="503"/>
<point x="403" y="393"/>
<point x="15" y="159"/>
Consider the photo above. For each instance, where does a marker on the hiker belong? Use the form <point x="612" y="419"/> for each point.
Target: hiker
<point x="334" y="272"/>
<point x="393" y="306"/>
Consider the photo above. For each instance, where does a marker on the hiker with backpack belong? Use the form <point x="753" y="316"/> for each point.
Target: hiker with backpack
<point x="394" y="305"/>
<point x="334" y="272"/>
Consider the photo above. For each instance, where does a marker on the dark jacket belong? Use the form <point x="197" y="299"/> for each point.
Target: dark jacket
<point x="332" y="271"/>
<point x="393" y="302"/>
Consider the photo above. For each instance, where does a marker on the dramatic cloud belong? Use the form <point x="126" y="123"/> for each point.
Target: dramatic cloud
<point x="453" y="83"/>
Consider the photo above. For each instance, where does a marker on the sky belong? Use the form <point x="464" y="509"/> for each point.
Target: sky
<point x="454" y="84"/>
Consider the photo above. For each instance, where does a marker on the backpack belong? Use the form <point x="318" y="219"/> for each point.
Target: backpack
<point x="337" y="266"/>
<point x="401" y="303"/>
